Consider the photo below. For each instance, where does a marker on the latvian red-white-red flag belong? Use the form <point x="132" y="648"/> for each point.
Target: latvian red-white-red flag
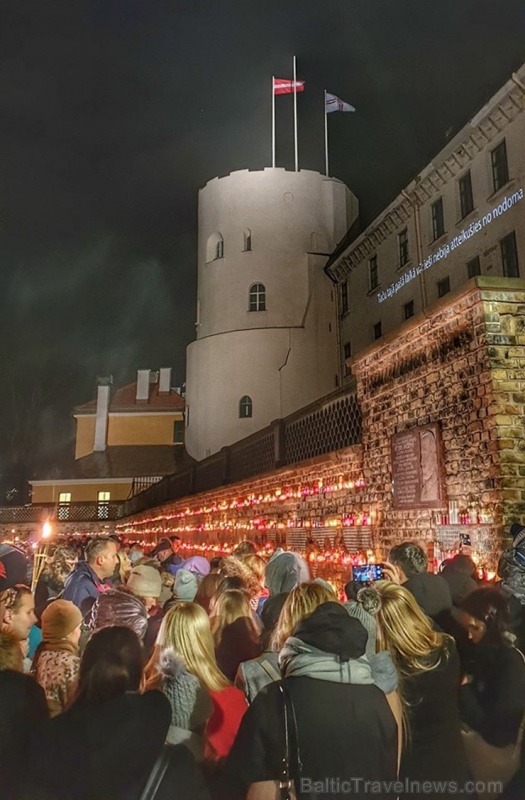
<point x="284" y="86"/>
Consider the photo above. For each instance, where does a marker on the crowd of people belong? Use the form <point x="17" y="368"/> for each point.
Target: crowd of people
<point x="131" y="674"/>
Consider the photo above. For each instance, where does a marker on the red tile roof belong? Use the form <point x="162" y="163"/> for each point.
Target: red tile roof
<point x="123" y="400"/>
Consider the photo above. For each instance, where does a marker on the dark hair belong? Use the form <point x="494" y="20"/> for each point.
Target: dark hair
<point x="410" y="557"/>
<point x="216" y="563"/>
<point x="207" y="588"/>
<point x="245" y="549"/>
<point x="111" y="665"/>
<point x="175" y="539"/>
<point x="489" y="605"/>
<point x="96" y="546"/>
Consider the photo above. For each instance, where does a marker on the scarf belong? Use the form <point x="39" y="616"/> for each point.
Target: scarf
<point x="298" y="659"/>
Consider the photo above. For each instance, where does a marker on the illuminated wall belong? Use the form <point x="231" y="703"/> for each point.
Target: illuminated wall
<point x="479" y="181"/>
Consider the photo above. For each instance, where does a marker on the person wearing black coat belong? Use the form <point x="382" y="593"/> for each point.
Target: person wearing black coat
<point x="106" y="744"/>
<point x="23" y="707"/>
<point x="493" y="694"/>
<point x="429" y="671"/>
<point x="460" y="572"/>
<point x="341" y="729"/>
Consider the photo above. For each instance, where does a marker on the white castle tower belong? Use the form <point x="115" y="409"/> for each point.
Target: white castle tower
<point x="267" y="340"/>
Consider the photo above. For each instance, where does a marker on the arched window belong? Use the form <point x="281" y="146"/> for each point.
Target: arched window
<point x="257" y="297"/>
<point x="247" y="240"/>
<point x="245" y="407"/>
<point x="214" y="247"/>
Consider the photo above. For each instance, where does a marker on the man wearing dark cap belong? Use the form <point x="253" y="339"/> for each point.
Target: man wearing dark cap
<point x="166" y="552"/>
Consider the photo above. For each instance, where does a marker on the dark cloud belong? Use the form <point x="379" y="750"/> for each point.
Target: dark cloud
<point x="113" y="114"/>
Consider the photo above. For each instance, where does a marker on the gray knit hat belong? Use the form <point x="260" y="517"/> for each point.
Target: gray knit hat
<point x="145" y="581"/>
<point x="185" y="586"/>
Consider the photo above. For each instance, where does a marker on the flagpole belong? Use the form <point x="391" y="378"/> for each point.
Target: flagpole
<point x="296" y="149"/>
<point x="325" y="136"/>
<point x="273" y="120"/>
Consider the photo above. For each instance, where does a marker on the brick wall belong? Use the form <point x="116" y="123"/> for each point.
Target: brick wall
<point x="462" y="367"/>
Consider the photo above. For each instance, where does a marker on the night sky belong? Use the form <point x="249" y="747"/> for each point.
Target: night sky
<point x="113" y="114"/>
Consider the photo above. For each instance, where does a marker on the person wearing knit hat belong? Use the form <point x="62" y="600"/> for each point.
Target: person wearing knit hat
<point x="364" y="609"/>
<point x="56" y="661"/>
<point x="145" y="582"/>
<point x="185" y="586"/>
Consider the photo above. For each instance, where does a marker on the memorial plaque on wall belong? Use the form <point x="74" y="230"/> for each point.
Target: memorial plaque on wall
<point x="417" y="479"/>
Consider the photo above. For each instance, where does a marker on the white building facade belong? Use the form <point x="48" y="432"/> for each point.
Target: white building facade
<point x="462" y="216"/>
<point x="267" y="335"/>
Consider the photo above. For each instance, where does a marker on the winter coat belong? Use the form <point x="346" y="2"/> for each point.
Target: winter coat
<point x="57" y="671"/>
<point x="239" y="642"/>
<point x="106" y="752"/>
<point x="434" y="749"/>
<point x="117" y="607"/>
<point x="229" y="707"/>
<point x="23" y="707"/>
<point x="459" y="583"/>
<point x="190" y="701"/>
<point x="341" y="730"/>
<point x="494" y="702"/>
<point x="254" y="675"/>
<point x="83" y="587"/>
<point x="433" y="596"/>
<point x="47" y="589"/>
<point x="285" y="571"/>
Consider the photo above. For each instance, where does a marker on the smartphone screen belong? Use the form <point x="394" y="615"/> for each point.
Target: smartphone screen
<point x="366" y="573"/>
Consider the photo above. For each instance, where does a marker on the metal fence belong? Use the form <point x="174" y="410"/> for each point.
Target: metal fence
<point x="330" y="424"/>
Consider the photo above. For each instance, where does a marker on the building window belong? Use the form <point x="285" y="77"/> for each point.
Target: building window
<point x="214" y="247"/>
<point x="408" y="309"/>
<point x="404" y="255"/>
<point x="509" y="256"/>
<point x="466" y="198"/>
<point x="64" y="499"/>
<point x="438" y="219"/>
<point x="473" y="267"/>
<point x="103" y="505"/>
<point x="347" y="353"/>
<point x="443" y="286"/>
<point x="245" y="407"/>
<point x="373" y="273"/>
<point x="378" y="330"/>
<point x="247" y="240"/>
<point x="344" y="297"/>
<point x="500" y="167"/>
<point x="178" y="432"/>
<point x="257" y="297"/>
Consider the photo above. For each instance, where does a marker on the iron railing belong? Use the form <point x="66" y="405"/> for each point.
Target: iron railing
<point x="330" y="424"/>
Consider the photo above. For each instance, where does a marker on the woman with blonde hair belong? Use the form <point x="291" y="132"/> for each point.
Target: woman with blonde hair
<point x="429" y="671"/>
<point x="203" y="701"/>
<point x="235" y="632"/>
<point x="280" y="614"/>
<point x="302" y="601"/>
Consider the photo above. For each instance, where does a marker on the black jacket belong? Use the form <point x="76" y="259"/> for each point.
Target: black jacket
<point x="494" y="702"/>
<point x="434" y="748"/>
<point x="106" y="752"/>
<point x="433" y="595"/>
<point x="341" y="730"/>
<point x="23" y="707"/>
